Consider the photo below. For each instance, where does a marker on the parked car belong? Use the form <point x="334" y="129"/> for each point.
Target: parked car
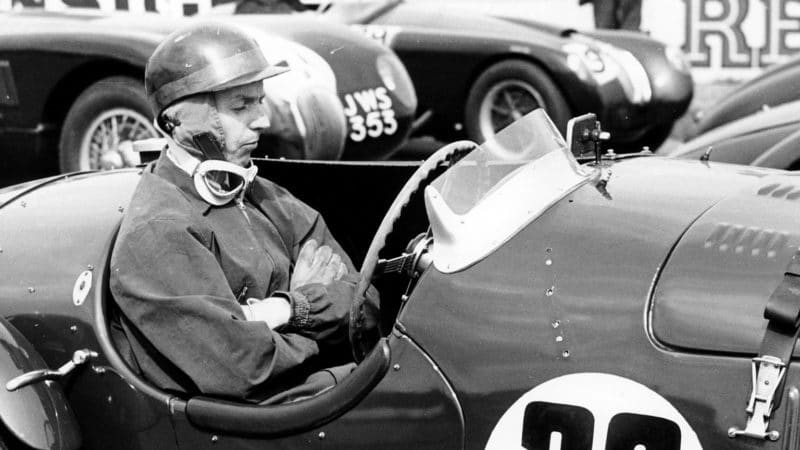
<point x="547" y="305"/>
<point x="767" y="138"/>
<point x="71" y="84"/>
<point x="777" y="85"/>
<point x="474" y="74"/>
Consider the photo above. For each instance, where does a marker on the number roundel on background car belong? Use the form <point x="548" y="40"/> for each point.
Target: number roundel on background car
<point x="592" y="411"/>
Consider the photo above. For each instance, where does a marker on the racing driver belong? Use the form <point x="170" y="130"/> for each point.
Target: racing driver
<point x="227" y="284"/>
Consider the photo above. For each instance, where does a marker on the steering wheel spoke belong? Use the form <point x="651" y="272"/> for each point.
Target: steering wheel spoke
<point x="362" y="339"/>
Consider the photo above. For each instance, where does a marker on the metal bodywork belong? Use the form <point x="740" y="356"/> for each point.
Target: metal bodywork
<point x="48" y="59"/>
<point x="777" y="85"/>
<point x="37" y="415"/>
<point x="634" y="281"/>
<point x="445" y="50"/>
<point x="765" y="138"/>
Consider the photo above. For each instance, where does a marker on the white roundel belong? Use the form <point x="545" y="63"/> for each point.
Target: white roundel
<point x="592" y="411"/>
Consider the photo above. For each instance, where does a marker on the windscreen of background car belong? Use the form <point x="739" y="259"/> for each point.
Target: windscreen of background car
<point x="499" y="188"/>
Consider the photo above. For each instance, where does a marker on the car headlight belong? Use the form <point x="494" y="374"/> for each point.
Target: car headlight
<point x="677" y="58"/>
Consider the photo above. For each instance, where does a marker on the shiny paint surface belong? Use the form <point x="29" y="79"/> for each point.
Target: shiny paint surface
<point x="413" y="403"/>
<point x="728" y="262"/>
<point x="48" y="238"/>
<point x="583" y="289"/>
<point x="80" y="48"/>
<point x="469" y="43"/>
<point x="672" y="87"/>
<point x="745" y="140"/>
<point x="468" y="344"/>
<point x="778" y="84"/>
<point x="38" y="414"/>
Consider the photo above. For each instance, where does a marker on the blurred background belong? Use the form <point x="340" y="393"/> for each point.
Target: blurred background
<point x="639" y="83"/>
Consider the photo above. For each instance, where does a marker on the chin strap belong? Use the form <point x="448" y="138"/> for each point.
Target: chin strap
<point x="208" y="187"/>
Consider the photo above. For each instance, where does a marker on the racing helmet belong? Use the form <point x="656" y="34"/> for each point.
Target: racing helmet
<point x="201" y="58"/>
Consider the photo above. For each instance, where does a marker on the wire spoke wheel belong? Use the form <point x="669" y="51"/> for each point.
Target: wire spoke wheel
<point x="102" y="123"/>
<point x="505" y="92"/>
<point x="505" y="103"/>
<point x="108" y="141"/>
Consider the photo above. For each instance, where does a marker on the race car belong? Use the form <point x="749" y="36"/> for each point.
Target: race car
<point x="528" y="301"/>
<point x="72" y="91"/>
<point x="474" y="74"/>
<point x="768" y="138"/>
<point x="778" y="84"/>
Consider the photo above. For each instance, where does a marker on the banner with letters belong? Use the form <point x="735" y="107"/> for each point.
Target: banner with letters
<point x="727" y="38"/>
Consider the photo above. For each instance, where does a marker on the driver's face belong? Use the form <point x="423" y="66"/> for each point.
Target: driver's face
<point x="243" y="116"/>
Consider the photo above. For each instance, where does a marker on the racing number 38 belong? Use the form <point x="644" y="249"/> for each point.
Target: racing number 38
<point x="370" y="114"/>
<point x="553" y="426"/>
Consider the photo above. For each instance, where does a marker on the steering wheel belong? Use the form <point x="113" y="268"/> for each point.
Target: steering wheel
<point x="363" y="339"/>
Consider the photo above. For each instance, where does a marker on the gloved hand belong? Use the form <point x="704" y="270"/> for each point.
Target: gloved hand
<point x="328" y="310"/>
<point x="316" y="264"/>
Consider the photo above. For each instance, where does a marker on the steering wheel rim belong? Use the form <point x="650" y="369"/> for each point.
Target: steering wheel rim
<point x="362" y="340"/>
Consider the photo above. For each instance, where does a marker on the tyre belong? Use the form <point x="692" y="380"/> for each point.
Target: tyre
<point x="507" y="91"/>
<point x="102" y="124"/>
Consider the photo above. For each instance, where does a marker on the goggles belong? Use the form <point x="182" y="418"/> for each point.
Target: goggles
<point x="217" y="182"/>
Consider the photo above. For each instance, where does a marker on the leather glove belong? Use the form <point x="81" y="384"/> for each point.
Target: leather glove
<point x="316" y="264"/>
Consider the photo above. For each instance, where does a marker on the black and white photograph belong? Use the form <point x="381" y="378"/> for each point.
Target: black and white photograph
<point x="399" y="224"/>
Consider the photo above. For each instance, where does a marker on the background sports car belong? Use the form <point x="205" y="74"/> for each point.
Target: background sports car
<point x="558" y="306"/>
<point x="768" y="138"/>
<point x="74" y="82"/>
<point x="475" y="74"/>
<point x="777" y="85"/>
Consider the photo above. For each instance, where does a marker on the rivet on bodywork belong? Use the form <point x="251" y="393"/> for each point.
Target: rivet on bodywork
<point x="73" y="329"/>
<point x="549" y="292"/>
<point x="396" y="367"/>
<point x="559" y="338"/>
<point x="321" y="435"/>
<point x="549" y="250"/>
<point x="556" y="323"/>
<point x="120" y="209"/>
<point x="548" y="262"/>
<point x="31" y="289"/>
<point x="565" y="353"/>
<point x="90" y="267"/>
<point x="214" y="439"/>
